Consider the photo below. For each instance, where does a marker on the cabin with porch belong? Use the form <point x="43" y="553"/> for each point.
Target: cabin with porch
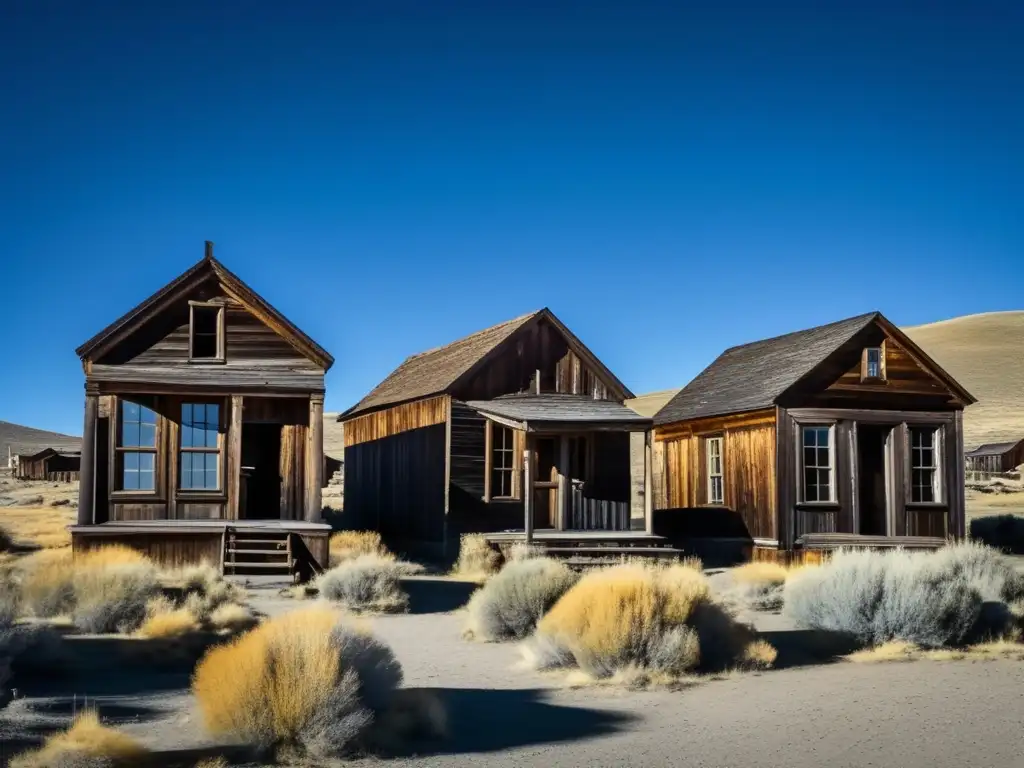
<point x="518" y="431"/>
<point x="995" y="458"/>
<point x="203" y="431"/>
<point x="847" y="434"/>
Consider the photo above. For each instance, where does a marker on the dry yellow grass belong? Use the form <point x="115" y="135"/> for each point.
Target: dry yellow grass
<point x="347" y="545"/>
<point x="477" y="559"/>
<point x="232" y="617"/>
<point x="213" y="762"/>
<point x="983" y="353"/>
<point x="167" y="624"/>
<point x="109" y="556"/>
<point x="302" y="676"/>
<point x="44" y="527"/>
<point x="87" y="738"/>
<point x="47" y="581"/>
<point x="898" y="650"/>
<point x="760" y="573"/>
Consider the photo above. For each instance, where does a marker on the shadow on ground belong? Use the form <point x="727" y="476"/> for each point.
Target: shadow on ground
<point x="487" y="720"/>
<point x="437" y="595"/>
<point x="807" y="647"/>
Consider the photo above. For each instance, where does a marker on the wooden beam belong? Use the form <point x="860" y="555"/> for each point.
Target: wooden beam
<point x="87" y="472"/>
<point x="234" y="484"/>
<point x="315" y="459"/>
<point x="488" y="458"/>
<point x="563" y="482"/>
<point x="528" y="491"/>
<point x="648" y="483"/>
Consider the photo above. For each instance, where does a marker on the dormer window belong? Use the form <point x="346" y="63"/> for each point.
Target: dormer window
<point x="872" y="366"/>
<point x="206" y="332"/>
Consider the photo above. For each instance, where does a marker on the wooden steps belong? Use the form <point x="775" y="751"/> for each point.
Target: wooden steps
<point x="257" y="551"/>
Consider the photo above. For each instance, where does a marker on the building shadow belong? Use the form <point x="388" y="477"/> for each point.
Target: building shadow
<point x="437" y="595"/>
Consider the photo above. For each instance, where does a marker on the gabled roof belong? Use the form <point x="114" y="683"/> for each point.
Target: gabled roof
<point x="753" y="376"/>
<point x="560" y="409"/>
<point x="181" y="286"/>
<point x="439" y="370"/>
<point x="994" y="449"/>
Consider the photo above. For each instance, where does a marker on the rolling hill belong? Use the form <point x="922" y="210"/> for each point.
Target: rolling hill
<point x="985" y="353"/>
<point x="29" y="440"/>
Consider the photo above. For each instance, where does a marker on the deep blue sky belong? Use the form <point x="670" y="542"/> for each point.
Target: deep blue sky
<point x="669" y="181"/>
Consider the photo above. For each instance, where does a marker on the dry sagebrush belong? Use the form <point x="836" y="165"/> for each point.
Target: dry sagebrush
<point x="367" y="583"/>
<point x="86" y="744"/>
<point x="936" y="599"/>
<point x="348" y="545"/>
<point x="304" y="681"/>
<point x="511" y="603"/>
<point x="758" y="585"/>
<point x="478" y="560"/>
<point x="656" y="619"/>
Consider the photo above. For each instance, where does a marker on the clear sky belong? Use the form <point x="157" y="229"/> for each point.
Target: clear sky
<point x="669" y="179"/>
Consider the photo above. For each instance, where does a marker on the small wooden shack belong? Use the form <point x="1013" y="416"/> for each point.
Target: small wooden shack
<point x="203" y="432"/>
<point x="55" y="465"/>
<point x="518" y="431"/>
<point x="995" y="457"/>
<point x="844" y="434"/>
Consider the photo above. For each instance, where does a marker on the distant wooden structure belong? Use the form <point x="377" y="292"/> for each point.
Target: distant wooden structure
<point x="203" y="430"/>
<point x="49" y="464"/>
<point x="847" y="434"/>
<point x="518" y="431"/>
<point x="995" y="457"/>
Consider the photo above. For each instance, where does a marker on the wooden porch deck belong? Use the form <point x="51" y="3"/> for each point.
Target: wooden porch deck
<point x="590" y="546"/>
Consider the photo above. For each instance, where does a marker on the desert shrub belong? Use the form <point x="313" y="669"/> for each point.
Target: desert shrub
<point x="477" y="559"/>
<point x="1005" y="532"/>
<point x="110" y="555"/>
<point x="511" y="603"/>
<point x="654" y="618"/>
<point x="758" y="585"/>
<point x="520" y="550"/>
<point x="47" y="582"/>
<point x="931" y="599"/>
<point x="347" y="545"/>
<point x="367" y="583"/>
<point x="303" y="680"/>
<point x="86" y="744"/>
<point x="113" y="598"/>
<point x="165" y="624"/>
<point x="232" y="617"/>
<point x="202" y="589"/>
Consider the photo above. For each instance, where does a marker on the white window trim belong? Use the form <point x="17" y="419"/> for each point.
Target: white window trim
<point x="938" y="442"/>
<point x="801" y="476"/>
<point x="721" y="469"/>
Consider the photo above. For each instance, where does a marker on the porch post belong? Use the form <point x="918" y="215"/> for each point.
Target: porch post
<point x="315" y="459"/>
<point x="528" y="490"/>
<point x="87" y="471"/>
<point x="648" y="494"/>
<point x="235" y="458"/>
<point x="563" y="484"/>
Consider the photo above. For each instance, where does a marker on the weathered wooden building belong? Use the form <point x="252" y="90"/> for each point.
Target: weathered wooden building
<point x="517" y="430"/>
<point x="48" y="464"/>
<point x="203" y="432"/>
<point x="845" y="434"/>
<point x="995" y="457"/>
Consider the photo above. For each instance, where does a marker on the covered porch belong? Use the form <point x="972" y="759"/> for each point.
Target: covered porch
<point x="584" y="470"/>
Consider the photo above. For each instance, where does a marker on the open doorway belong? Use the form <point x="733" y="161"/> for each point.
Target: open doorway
<point x="872" y="479"/>
<point x="260" y="472"/>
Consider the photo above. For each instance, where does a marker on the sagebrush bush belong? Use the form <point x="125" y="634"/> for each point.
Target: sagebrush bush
<point x="367" y="583"/>
<point x="304" y="680"/>
<point x="86" y="744"/>
<point x="47" y="582"/>
<point x="166" y="624"/>
<point x="477" y="558"/>
<point x="347" y="545"/>
<point x="932" y="599"/>
<point x="758" y="585"/>
<point x="113" y="598"/>
<point x="202" y="589"/>
<point x="232" y="617"/>
<point x="511" y="603"/>
<point x="654" y="618"/>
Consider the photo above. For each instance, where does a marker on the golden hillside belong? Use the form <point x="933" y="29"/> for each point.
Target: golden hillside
<point x="985" y="353"/>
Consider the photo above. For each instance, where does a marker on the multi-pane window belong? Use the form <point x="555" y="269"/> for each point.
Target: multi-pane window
<point x="502" y="461"/>
<point x="136" y="447"/>
<point x="873" y="363"/>
<point x="716" y="494"/>
<point x="817" y="463"/>
<point x="924" y="465"/>
<point x="200" y="449"/>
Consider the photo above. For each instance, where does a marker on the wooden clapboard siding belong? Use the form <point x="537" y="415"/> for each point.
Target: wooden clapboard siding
<point x="748" y="451"/>
<point x="169" y="549"/>
<point x="293" y="464"/>
<point x="127" y="511"/>
<point x="395" y="420"/>
<point x="903" y="374"/>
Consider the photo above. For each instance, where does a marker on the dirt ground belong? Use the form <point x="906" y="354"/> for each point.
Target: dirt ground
<point x="840" y="714"/>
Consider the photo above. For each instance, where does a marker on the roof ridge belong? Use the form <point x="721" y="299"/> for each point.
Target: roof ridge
<point x="863" y="316"/>
<point x="474" y="334"/>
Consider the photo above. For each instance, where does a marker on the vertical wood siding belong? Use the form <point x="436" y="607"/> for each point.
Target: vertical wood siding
<point x="396" y="419"/>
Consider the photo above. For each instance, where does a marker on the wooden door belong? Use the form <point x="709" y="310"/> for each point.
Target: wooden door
<point x="545" y="486"/>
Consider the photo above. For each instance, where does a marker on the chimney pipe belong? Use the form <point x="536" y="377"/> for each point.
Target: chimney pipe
<point x="209" y="250"/>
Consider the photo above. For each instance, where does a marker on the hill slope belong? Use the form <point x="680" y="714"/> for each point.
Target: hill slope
<point x="985" y="353"/>
<point x="28" y="440"/>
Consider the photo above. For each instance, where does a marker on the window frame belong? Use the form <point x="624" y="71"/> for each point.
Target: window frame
<point x="865" y="376"/>
<point x="118" y="452"/>
<point x="939" y="455"/>
<point x="220" y="355"/>
<point x="801" y="479"/>
<point x="220" y="449"/>
<point x="709" y="499"/>
<point x="489" y="467"/>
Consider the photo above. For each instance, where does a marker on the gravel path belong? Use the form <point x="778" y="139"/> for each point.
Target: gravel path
<point x="930" y="714"/>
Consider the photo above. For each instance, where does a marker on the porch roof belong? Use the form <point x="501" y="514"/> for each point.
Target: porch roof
<point x="550" y="412"/>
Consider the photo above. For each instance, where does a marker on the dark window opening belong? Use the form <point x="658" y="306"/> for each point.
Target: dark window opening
<point x="205" y="332"/>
